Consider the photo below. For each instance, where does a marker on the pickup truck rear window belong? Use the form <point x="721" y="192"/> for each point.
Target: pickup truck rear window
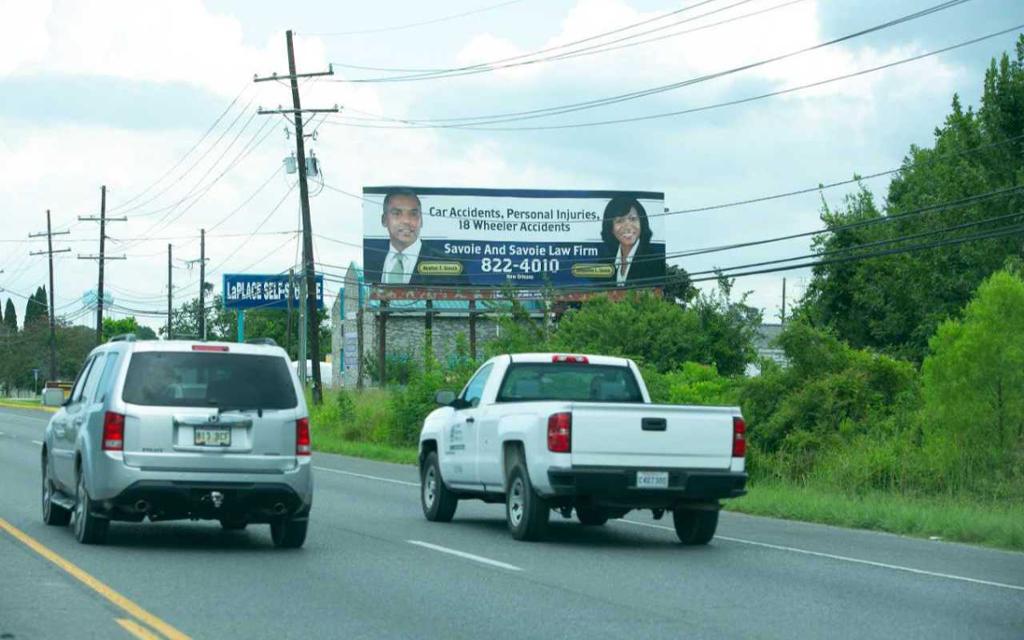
<point x="571" y="382"/>
<point x="223" y="380"/>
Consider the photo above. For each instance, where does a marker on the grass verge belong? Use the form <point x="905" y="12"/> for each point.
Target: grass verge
<point x="369" y="450"/>
<point x="950" y="519"/>
<point x="26" y="404"/>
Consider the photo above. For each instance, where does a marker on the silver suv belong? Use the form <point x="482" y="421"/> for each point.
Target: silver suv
<point x="170" y="430"/>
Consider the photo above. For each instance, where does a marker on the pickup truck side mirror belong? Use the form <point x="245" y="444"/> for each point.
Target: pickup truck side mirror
<point x="53" y="397"/>
<point x="444" y="398"/>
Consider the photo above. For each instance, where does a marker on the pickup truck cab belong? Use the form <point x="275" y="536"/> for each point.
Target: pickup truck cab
<point x="544" y="431"/>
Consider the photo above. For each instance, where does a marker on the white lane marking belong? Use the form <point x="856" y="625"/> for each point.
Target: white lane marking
<point x="819" y="554"/>
<point x="39" y="442"/>
<point x="363" y="475"/>
<point x="463" y="554"/>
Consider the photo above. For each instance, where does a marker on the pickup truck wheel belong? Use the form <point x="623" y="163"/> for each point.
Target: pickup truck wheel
<point x="591" y="516"/>
<point x="88" y="528"/>
<point x="695" y="526"/>
<point x="289" y="534"/>
<point x="526" y="512"/>
<point x="438" y="502"/>
<point x="53" y="514"/>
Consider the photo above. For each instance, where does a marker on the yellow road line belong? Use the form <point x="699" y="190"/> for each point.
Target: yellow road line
<point x="112" y="596"/>
<point x="137" y="630"/>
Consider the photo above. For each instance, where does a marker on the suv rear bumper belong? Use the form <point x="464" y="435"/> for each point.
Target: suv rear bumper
<point x="616" y="486"/>
<point x="176" y="500"/>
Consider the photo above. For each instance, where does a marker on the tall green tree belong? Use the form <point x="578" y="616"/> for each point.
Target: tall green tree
<point x="10" y="317"/>
<point x="974" y="387"/>
<point x="895" y="303"/>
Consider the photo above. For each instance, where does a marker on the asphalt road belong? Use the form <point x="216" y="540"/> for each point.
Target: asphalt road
<point x="372" y="567"/>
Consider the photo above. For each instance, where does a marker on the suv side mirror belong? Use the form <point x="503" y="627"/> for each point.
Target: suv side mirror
<point x="444" y="398"/>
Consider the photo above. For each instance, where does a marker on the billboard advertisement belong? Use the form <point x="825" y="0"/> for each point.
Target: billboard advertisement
<point x="416" y="237"/>
<point x="255" y="291"/>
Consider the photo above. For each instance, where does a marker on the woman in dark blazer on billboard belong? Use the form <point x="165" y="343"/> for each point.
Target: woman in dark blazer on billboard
<point x="627" y="238"/>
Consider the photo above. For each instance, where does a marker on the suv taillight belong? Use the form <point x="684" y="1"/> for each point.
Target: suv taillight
<point x="560" y="432"/>
<point x="113" y="431"/>
<point x="303" y="446"/>
<point x="739" y="437"/>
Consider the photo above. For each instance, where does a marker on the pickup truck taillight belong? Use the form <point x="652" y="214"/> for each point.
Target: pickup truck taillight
<point x="560" y="432"/>
<point x="303" y="444"/>
<point x="739" y="437"/>
<point x="113" y="431"/>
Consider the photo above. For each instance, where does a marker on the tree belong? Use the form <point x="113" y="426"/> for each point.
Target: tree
<point x="895" y="303"/>
<point x="127" y="325"/>
<point x="974" y="386"/>
<point x="677" y="287"/>
<point x="662" y="334"/>
<point x="10" y="317"/>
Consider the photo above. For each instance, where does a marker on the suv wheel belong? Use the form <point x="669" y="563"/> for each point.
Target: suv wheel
<point x="526" y="512"/>
<point x="438" y="502"/>
<point x="88" y="528"/>
<point x="695" y="526"/>
<point x="53" y="514"/>
<point x="289" y="534"/>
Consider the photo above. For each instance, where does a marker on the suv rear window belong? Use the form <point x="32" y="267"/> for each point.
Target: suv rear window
<point x="565" y="381"/>
<point x="223" y="380"/>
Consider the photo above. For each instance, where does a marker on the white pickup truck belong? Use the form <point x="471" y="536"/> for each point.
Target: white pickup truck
<point x="543" y="431"/>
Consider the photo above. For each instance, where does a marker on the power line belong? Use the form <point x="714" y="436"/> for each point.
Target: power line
<point x="517" y="61"/>
<point x="412" y="24"/>
<point x="192" y="166"/>
<point x="514" y="116"/>
<point x="195" y="146"/>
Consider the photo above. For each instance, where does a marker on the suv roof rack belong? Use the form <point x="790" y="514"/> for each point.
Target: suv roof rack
<point x="270" y="342"/>
<point x="124" y="337"/>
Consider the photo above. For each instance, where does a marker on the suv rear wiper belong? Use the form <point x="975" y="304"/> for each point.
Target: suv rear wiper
<point x="258" y="410"/>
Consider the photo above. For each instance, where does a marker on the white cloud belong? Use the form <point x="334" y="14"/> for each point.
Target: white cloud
<point x="167" y="41"/>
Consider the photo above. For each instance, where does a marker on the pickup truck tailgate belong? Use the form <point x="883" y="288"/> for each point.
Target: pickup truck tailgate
<point x="645" y="435"/>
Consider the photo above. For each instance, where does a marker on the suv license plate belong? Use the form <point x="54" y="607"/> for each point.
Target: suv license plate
<point x="652" y="479"/>
<point x="213" y="437"/>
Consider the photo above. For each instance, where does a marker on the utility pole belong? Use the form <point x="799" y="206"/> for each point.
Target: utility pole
<point x="202" y="284"/>
<point x="170" y="291"/>
<point x="50" y="251"/>
<point x="310" y="322"/>
<point x="288" y="334"/>
<point x="303" y="333"/>
<point x="103" y="219"/>
<point x="783" y="322"/>
<point x="201" y="320"/>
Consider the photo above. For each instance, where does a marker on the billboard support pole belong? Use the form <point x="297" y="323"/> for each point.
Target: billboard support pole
<point x="428" y="335"/>
<point x="382" y="340"/>
<point x="241" y="325"/>
<point x="359" y="348"/>
<point x="472" y="329"/>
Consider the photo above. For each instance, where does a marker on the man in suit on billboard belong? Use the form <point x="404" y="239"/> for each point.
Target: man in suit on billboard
<point x="402" y="216"/>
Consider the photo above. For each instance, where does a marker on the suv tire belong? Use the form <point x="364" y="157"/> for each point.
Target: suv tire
<point x="88" y="528"/>
<point x="289" y="534"/>
<point x="53" y="514"/>
<point x="526" y="512"/>
<point x="438" y="501"/>
<point x="695" y="526"/>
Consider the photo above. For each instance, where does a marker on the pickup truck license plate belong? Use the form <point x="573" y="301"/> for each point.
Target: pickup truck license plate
<point x="213" y="437"/>
<point x="652" y="479"/>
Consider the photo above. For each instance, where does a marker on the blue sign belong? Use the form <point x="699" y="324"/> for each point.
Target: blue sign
<point x="252" y="291"/>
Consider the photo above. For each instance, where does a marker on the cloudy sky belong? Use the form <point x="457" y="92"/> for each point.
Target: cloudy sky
<point x="118" y="93"/>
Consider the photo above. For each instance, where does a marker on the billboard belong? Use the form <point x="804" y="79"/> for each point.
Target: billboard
<point x="254" y="291"/>
<point x="415" y="237"/>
